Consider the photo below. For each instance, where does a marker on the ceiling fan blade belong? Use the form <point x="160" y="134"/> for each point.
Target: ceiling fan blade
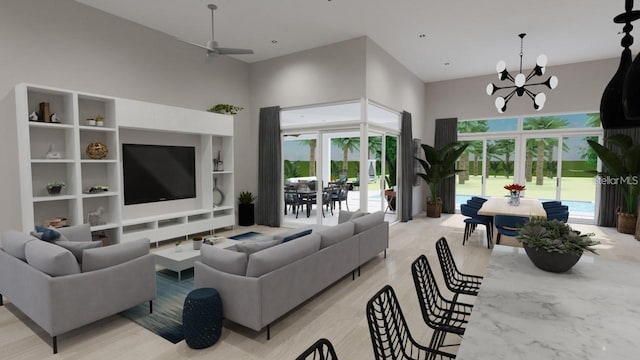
<point x="231" y="51"/>
<point x="194" y="44"/>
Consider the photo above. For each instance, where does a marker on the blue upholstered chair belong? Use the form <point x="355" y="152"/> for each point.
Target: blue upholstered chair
<point x="508" y="225"/>
<point x="550" y="204"/>
<point x="558" y="215"/>
<point x="473" y="220"/>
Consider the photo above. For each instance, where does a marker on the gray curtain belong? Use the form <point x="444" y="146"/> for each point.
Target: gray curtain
<point x="406" y="139"/>
<point x="447" y="132"/>
<point x="269" y="168"/>
<point x="611" y="196"/>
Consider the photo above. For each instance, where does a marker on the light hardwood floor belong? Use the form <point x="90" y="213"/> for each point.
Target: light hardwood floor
<point x="338" y="313"/>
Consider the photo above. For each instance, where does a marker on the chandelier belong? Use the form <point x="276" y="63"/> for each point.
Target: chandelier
<point x="520" y="85"/>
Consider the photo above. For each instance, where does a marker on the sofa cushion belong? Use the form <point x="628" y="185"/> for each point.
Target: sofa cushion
<point x="76" y="233"/>
<point x="344" y="216"/>
<point x="275" y="257"/>
<point x="49" y="235"/>
<point x="296" y="235"/>
<point x="336" y="234"/>
<point x="368" y="221"/>
<point x="104" y="257"/>
<point x="13" y="243"/>
<point x="228" y="261"/>
<point x="250" y="247"/>
<point x="51" y="259"/>
<point x="76" y="247"/>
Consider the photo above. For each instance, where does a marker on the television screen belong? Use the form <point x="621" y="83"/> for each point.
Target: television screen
<point x="158" y="173"/>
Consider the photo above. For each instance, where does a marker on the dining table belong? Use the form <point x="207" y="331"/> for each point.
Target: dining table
<point x="524" y="313"/>
<point x="528" y="207"/>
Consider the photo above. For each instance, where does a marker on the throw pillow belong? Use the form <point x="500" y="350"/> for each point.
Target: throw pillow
<point x="224" y="260"/>
<point x="13" y="243"/>
<point x="51" y="259"/>
<point x="336" y="234"/>
<point x="104" y="257"/>
<point x="76" y="247"/>
<point x="296" y="235"/>
<point x="48" y="235"/>
<point x="276" y="257"/>
<point x="251" y="247"/>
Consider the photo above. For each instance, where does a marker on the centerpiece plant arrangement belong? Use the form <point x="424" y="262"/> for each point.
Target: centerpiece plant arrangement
<point x="225" y="109"/>
<point x="514" y="193"/>
<point x="552" y="245"/>
<point x="438" y="165"/>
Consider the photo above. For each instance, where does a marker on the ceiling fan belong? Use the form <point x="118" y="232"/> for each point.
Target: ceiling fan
<point x="212" y="46"/>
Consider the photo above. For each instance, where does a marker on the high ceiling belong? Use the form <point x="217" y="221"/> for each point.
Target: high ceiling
<point x="469" y="35"/>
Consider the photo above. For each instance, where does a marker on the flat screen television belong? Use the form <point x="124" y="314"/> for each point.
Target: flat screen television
<point x="154" y="173"/>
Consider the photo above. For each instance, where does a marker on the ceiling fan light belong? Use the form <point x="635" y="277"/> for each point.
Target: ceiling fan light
<point x="520" y="80"/>
<point x="501" y="66"/>
<point x="542" y="60"/>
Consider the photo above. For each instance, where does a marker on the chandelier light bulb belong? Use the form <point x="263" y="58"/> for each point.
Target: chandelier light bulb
<point x="501" y="66"/>
<point x="500" y="102"/>
<point x="542" y="60"/>
<point x="490" y="89"/>
<point x="553" y="82"/>
<point x="539" y="100"/>
<point x="520" y="80"/>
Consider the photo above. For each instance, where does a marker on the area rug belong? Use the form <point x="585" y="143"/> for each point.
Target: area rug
<point x="247" y="236"/>
<point x="166" y="319"/>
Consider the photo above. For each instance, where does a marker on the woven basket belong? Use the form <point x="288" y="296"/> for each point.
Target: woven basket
<point x="626" y="223"/>
<point x="97" y="150"/>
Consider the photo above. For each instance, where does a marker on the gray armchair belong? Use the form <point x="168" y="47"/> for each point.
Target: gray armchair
<point x="48" y="284"/>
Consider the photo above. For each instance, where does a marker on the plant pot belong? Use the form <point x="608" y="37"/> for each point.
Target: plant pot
<point x="90" y="122"/>
<point x="246" y="214"/>
<point x="551" y="261"/>
<point x="434" y="208"/>
<point x="638" y="229"/>
<point x="197" y="244"/>
<point x="626" y="223"/>
<point x="54" y="190"/>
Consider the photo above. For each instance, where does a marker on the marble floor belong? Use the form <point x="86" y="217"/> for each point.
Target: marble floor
<point x="337" y="313"/>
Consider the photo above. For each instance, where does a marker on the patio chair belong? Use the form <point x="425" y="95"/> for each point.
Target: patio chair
<point x="390" y="335"/>
<point x="292" y="200"/>
<point x="320" y="350"/>
<point x="339" y="196"/>
<point x="441" y="314"/>
<point x="456" y="281"/>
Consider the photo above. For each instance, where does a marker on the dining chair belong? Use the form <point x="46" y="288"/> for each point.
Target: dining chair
<point x="508" y="225"/>
<point x="320" y="350"/>
<point x="292" y="200"/>
<point x="558" y="215"/>
<point x="456" y="281"/>
<point x="390" y="335"/>
<point x="474" y="220"/>
<point x="442" y="315"/>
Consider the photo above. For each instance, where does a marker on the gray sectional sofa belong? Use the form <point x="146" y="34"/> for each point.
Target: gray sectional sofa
<point x="48" y="283"/>
<point x="259" y="287"/>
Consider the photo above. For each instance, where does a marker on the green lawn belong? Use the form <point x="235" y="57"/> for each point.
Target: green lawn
<point x="573" y="188"/>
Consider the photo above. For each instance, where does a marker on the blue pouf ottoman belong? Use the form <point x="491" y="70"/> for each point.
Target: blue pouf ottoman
<point x="202" y="318"/>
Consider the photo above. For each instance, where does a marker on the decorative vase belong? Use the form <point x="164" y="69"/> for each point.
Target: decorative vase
<point x="197" y="244"/>
<point x="551" y="261"/>
<point x="97" y="150"/>
<point x="514" y="198"/>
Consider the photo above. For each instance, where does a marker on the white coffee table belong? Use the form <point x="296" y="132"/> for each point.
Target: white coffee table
<point x="182" y="257"/>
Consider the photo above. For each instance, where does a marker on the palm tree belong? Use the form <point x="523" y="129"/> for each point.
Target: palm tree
<point x="347" y="145"/>
<point x="586" y="152"/>
<point x="290" y="169"/>
<point x="475" y="126"/>
<point x="542" y="123"/>
<point x="311" y="143"/>
<point x="507" y="147"/>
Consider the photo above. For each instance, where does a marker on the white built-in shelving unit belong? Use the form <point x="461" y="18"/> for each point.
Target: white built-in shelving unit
<point x="138" y="122"/>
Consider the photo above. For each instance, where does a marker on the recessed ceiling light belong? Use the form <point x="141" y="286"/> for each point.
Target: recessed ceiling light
<point x="274" y="41"/>
<point x="422" y="36"/>
<point x="447" y="63"/>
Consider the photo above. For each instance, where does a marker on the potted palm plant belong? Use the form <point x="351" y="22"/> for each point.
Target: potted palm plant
<point x="438" y="164"/>
<point x="552" y="245"/>
<point x="246" y="209"/>
<point x="623" y="168"/>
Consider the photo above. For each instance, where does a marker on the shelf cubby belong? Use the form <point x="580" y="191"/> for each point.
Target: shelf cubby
<point x="60" y="103"/>
<point x="59" y="208"/>
<point x="45" y="172"/>
<point x="42" y="138"/>
<point x="89" y="107"/>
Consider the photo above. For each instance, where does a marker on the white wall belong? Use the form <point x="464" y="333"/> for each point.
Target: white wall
<point x="390" y="83"/>
<point x="68" y="45"/>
